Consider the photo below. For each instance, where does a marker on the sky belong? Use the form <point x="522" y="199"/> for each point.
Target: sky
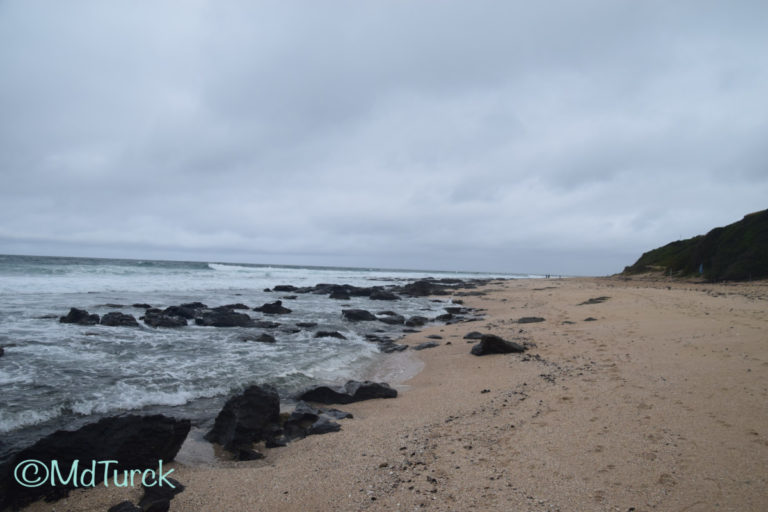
<point x="553" y="137"/>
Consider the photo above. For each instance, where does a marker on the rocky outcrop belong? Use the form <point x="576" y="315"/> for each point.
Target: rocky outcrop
<point x="79" y="317"/>
<point x="391" y="318"/>
<point x="417" y="321"/>
<point x="274" y="308"/>
<point x="157" y="318"/>
<point x="428" y="344"/>
<point x="330" y="334"/>
<point x="116" y="319"/>
<point x="352" y="391"/>
<point x="492" y="344"/>
<point x="252" y="416"/>
<point x="358" y="315"/>
<point x="223" y="317"/>
<point x="383" y="295"/>
<point x="135" y="442"/>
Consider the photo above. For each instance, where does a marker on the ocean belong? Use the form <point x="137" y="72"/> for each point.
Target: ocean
<point x="55" y="375"/>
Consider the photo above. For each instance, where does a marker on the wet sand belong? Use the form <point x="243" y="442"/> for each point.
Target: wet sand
<point x="660" y="403"/>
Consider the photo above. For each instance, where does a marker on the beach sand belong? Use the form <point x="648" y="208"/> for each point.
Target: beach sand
<point x="660" y="403"/>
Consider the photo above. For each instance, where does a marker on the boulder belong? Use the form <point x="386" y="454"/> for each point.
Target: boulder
<point x="358" y="315"/>
<point x="306" y="325"/>
<point x="223" y="317"/>
<point x="135" y="442"/>
<point x="416" y="321"/>
<point x="116" y="319"/>
<point x="388" y="348"/>
<point x="383" y="295"/>
<point x="391" y="318"/>
<point x="141" y="305"/>
<point x="156" y="318"/>
<point x="285" y="288"/>
<point x="181" y="311"/>
<point x="124" y="506"/>
<point x="492" y="344"/>
<point x="330" y="334"/>
<point x="474" y="335"/>
<point x="340" y="294"/>
<point x="428" y="344"/>
<point x="79" y="317"/>
<point x="157" y="498"/>
<point x="274" y="308"/>
<point x="352" y="391"/>
<point x="252" y="416"/>
<point x="239" y="305"/>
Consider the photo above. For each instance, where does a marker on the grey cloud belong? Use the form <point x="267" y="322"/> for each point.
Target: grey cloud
<point x="558" y="137"/>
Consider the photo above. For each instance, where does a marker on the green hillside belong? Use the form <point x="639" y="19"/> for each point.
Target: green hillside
<point x="736" y="252"/>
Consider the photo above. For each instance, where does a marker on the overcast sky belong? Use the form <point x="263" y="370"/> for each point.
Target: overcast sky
<point x="561" y="137"/>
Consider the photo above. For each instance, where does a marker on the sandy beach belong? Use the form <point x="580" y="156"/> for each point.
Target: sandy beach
<point x="659" y="403"/>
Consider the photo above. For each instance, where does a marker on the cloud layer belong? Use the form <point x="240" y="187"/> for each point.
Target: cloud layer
<point x="567" y="137"/>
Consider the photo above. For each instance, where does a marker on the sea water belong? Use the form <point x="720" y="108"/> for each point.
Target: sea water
<point x="56" y="375"/>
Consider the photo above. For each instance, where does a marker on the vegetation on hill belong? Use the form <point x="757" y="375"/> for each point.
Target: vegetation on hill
<point x="736" y="252"/>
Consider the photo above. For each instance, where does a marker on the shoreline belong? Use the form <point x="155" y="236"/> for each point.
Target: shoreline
<point x="658" y="404"/>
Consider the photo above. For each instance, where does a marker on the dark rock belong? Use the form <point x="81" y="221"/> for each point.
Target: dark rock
<point x="423" y="288"/>
<point x="352" y="391"/>
<point x="124" y="506"/>
<point x="224" y="318"/>
<point x="182" y="311"/>
<point x="263" y="338"/>
<point x="249" y="417"/>
<point x="530" y="320"/>
<point x="156" y="318"/>
<point x="238" y="305"/>
<point x="288" y="297"/>
<point x="135" y="442"/>
<point x="358" y="315"/>
<point x="428" y="344"/>
<point x="474" y="335"/>
<point x="595" y="300"/>
<point x="79" y="317"/>
<point x="2" y="351"/>
<point x="157" y="498"/>
<point x="274" y="308"/>
<point x="114" y="306"/>
<point x="194" y="305"/>
<point x="416" y="321"/>
<point x="284" y="288"/>
<point x="388" y="348"/>
<point x="492" y="344"/>
<point x="330" y="334"/>
<point x="337" y="414"/>
<point x="444" y="318"/>
<point x="456" y="310"/>
<point x="383" y="295"/>
<point x="323" y="425"/>
<point x="590" y="319"/>
<point x="306" y="325"/>
<point x="434" y="337"/>
<point x="411" y="330"/>
<point x="266" y="324"/>
<point x="392" y="318"/>
<point x="290" y="330"/>
<point x="116" y="319"/>
<point x="142" y="305"/>
<point x="340" y="294"/>
<point x="245" y="454"/>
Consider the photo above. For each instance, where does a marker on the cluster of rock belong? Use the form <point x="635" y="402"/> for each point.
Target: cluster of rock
<point x="254" y="416"/>
<point x="134" y="442"/>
